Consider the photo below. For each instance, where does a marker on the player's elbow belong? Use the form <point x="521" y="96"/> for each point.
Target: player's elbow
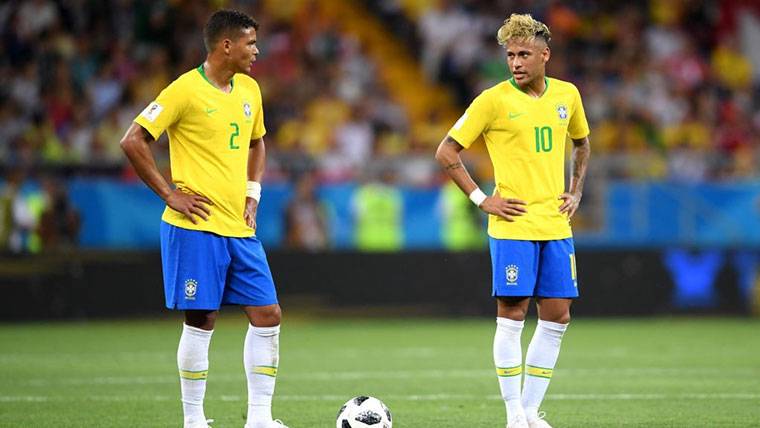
<point x="441" y="154"/>
<point x="131" y="141"/>
<point x="126" y="144"/>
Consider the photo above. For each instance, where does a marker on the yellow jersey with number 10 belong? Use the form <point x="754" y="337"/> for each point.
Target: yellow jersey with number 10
<point x="209" y="135"/>
<point x="525" y="138"/>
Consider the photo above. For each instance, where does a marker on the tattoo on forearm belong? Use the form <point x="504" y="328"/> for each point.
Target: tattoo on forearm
<point x="452" y="166"/>
<point x="580" y="162"/>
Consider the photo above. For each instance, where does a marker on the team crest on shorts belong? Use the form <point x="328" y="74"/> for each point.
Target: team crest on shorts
<point x="191" y="287"/>
<point x="247" y="110"/>
<point x="562" y="111"/>
<point x="512" y="272"/>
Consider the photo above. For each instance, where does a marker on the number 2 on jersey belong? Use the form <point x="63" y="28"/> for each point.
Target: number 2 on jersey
<point x="235" y="133"/>
<point x="543" y="139"/>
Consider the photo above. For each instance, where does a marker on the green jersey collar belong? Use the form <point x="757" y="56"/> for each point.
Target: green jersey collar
<point x="203" y="73"/>
<point x="546" y="87"/>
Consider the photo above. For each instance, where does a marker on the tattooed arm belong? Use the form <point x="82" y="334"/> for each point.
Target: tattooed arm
<point x="448" y="157"/>
<point x="572" y="198"/>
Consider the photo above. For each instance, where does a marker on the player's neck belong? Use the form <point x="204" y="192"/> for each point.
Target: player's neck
<point x="536" y="87"/>
<point x="218" y="75"/>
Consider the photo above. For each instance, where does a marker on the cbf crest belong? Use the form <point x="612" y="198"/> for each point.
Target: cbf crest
<point x="247" y="109"/>
<point x="191" y="287"/>
<point x="512" y="273"/>
<point x="562" y="112"/>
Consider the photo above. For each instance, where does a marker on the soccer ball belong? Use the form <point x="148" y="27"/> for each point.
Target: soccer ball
<point x="364" y="412"/>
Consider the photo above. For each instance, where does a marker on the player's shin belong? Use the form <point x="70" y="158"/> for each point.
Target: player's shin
<point x="260" y="358"/>
<point x="540" y="360"/>
<point x="192" y="361"/>
<point x="507" y="355"/>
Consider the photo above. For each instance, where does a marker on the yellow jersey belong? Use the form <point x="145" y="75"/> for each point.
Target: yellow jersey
<point x="209" y="135"/>
<point x="525" y="138"/>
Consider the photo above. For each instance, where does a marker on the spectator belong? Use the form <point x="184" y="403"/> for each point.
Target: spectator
<point x="305" y="219"/>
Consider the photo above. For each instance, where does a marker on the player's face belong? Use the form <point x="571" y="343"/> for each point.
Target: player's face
<point x="527" y="59"/>
<point x="243" y="51"/>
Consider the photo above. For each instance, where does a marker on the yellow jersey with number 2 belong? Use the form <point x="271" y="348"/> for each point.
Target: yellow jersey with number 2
<point x="209" y="135"/>
<point x="525" y="137"/>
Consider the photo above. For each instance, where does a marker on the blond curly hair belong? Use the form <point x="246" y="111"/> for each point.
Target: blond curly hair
<point x="522" y="26"/>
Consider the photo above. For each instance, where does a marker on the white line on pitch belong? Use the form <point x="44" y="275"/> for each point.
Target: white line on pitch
<point x="391" y="374"/>
<point x="428" y="397"/>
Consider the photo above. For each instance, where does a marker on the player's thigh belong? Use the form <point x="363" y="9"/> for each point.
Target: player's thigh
<point x="249" y="279"/>
<point x="556" y="270"/>
<point x="194" y="268"/>
<point x="514" y="267"/>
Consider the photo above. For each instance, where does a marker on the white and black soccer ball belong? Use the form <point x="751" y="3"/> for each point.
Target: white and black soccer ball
<point x="364" y="412"/>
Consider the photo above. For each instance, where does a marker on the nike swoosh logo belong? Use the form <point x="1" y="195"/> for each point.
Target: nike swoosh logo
<point x="514" y="115"/>
<point x="210" y="110"/>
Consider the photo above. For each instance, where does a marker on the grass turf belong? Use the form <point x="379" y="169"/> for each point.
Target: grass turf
<point x="432" y="373"/>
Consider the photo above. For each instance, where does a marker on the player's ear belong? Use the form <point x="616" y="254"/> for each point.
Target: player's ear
<point x="546" y="54"/>
<point x="227" y="46"/>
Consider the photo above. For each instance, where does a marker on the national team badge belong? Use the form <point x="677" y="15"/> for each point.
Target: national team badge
<point x="247" y="110"/>
<point x="191" y="287"/>
<point x="512" y="272"/>
<point x="562" y="111"/>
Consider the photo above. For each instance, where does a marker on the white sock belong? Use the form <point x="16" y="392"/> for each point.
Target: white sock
<point x="507" y="356"/>
<point x="539" y="364"/>
<point x="192" y="361"/>
<point x="261" y="356"/>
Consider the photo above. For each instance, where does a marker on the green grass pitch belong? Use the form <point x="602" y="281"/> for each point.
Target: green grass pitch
<point x="432" y="373"/>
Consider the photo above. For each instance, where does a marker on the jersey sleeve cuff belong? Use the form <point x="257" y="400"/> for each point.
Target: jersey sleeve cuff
<point x="459" y="140"/>
<point x="155" y="133"/>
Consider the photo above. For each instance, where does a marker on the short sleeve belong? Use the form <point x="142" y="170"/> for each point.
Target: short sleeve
<point x="164" y="111"/>
<point x="258" y="130"/>
<point x="578" y="127"/>
<point x="474" y="121"/>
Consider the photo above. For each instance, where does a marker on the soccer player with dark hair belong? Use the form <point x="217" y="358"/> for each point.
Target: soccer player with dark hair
<point x="214" y="118"/>
<point x="524" y="122"/>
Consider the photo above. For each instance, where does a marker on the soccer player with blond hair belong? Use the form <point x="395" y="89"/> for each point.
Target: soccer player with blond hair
<point x="525" y="122"/>
<point x="211" y="257"/>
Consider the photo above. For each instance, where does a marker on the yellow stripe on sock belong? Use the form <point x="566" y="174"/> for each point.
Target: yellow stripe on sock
<point x="508" y="371"/>
<point x="265" y="370"/>
<point x="190" y="375"/>
<point x="539" y="372"/>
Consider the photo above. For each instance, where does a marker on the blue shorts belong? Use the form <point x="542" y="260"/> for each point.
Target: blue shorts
<point x="533" y="268"/>
<point x="203" y="270"/>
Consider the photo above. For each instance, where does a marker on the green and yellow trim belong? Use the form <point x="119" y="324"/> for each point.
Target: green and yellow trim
<point x="508" y="371"/>
<point x="539" y="372"/>
<point x="193" y="375"/>
<point x="203" y="73"/>
<point x="270" y="371"/>
<point x="514" y="83"/>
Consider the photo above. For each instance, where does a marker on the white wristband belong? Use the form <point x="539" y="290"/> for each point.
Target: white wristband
<point x="253" y="190"/>
<point x="477" y="196"/>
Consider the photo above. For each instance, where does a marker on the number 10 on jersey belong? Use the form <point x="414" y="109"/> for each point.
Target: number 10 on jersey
<point x="543" y="139"/>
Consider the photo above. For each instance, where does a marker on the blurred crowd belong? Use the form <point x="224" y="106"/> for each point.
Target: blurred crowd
<point x="670" y="87"/>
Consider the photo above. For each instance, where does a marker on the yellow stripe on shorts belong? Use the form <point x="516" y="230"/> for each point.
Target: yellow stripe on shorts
<point x="508" y="371"/>
<point x="190" y="375"/>
<point x="265" y="370"/>
<point x="573" y="272"/>
<point x="539" y="372"/>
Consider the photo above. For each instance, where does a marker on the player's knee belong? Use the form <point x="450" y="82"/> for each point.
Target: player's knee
<point x="201" y="319"/>
<point x="265" y="316"/>
<point x="563" y="318"/>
